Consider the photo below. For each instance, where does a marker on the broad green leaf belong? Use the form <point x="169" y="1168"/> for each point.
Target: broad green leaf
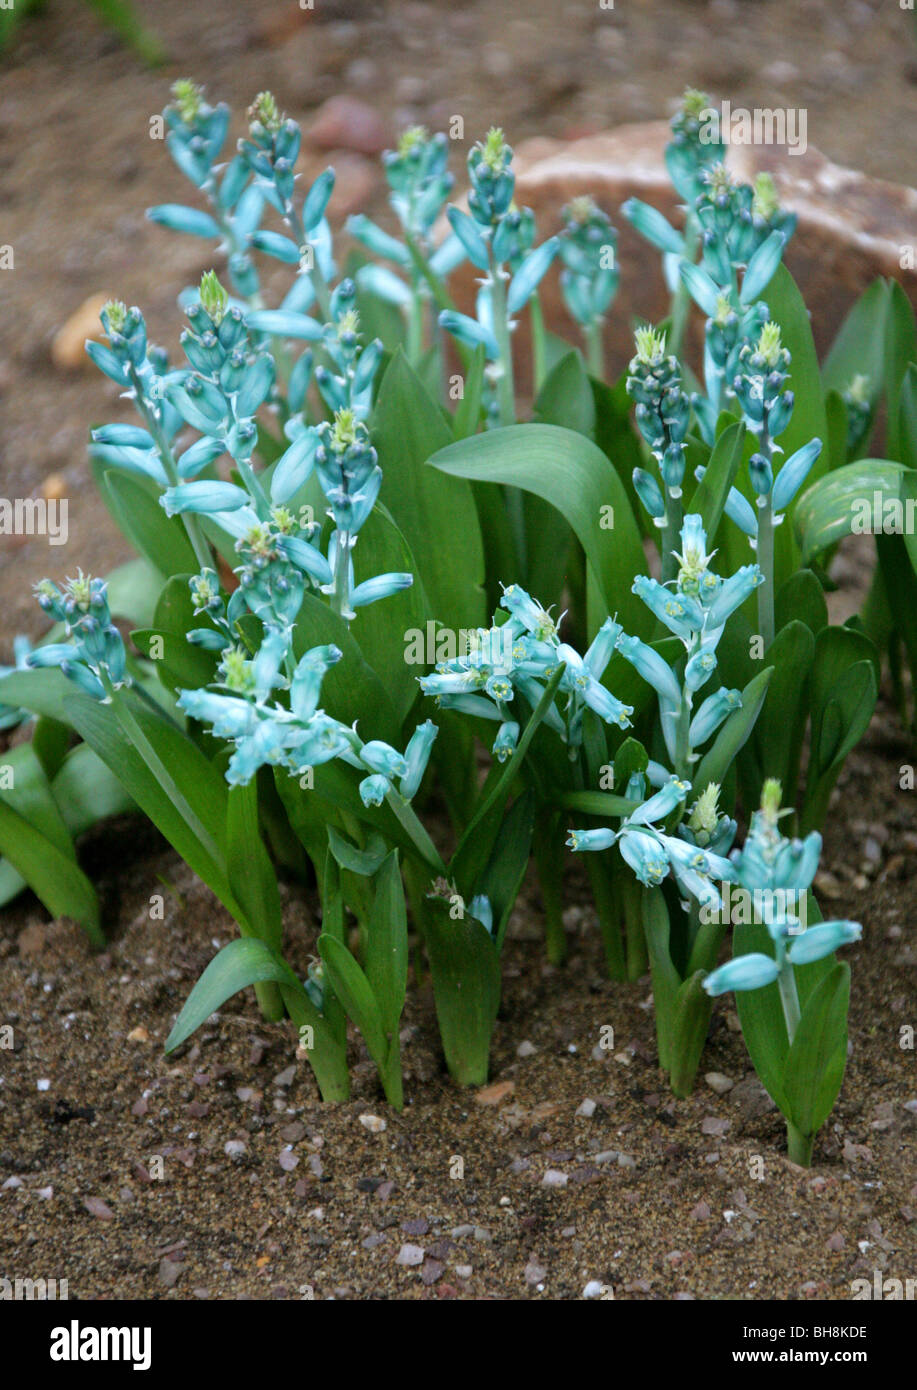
<point x="249" y="868"/>
<point x="351" y="689"/>
<point x="180" y="664"/>
<point x="465" y="967"/>
<point x="467" y="416"/>
<point x="691" y="1013"/>
<point x="666" y="980"/>
<point x="814" y="1067"/>
<point x="385" y="957"/>
<point x="437" y="516"/>
<point x="733" y="733"/>
<point x="355" y="993"/>
<point x="781" y="724"/>
<point x="43" y="691"/>
<point x="859" y="347"/>
<point x="380" y="629"/>
<point x="802" y="598"/>
<point x="87" y="791"/>
<point x="710" y="495"/>
<point x="365" y="861"/>
<point x="572" y="473"/>
<point x="134" y="504"/>
<point x="243" y="962"/>
<point x="169" y="778"/>
<point x="849" y="500"/>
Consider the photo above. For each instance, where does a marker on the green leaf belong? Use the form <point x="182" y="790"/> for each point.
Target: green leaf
<point x="251" y="874"/>
<point x="243" y="962"/>
<point x="43" y="691"/>
<point x="180" y="664"/>
<point x="781" y="723"/>
<point x="849" y="500"/>
<point x="802" y="598"/>
<point x="808" y="420"/>
<point x="87" y="791"/>
<point x="814" y="1067"/>
<point x="465" y="967"/>
<point x="386" y="946"/>
<point x="907" y="418"/>
<point x="351" y="689"/>
<point x="502" y="878"/>
<point x="859" y="348"/>
<point x="134" y="504"/>
<point x="710" y="495"/>
<point x="900" y="350"/>
<point x="480" y="834"/>
<point x="467" y="416"/>
<point x="690" y="1024"/>
<point x="355" y="993"/>
<point x="436" y="515"/>
<point x="572" y="473"/>
<point x="36" y="842"/>
<point x="734" y="732"/>
<point x="168" y="776"/>
<point x="666" y="980"/>
<point x="366" y="861"/>
<point x="380" y="629"/>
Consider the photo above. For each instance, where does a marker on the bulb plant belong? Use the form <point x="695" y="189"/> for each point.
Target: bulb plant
<point x="306" y="498"/>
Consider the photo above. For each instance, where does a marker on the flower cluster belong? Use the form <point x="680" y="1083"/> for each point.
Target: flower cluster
<point x="778" y="872"/>
<point x="244" y="710"/>
<point x="652" y="853"/>
<point x="663" y="413"/>
<point x="518" y="658"/>
<point x="694" y="607"/>
<point x="94" y="658"/>
<point x="588" y="246"/>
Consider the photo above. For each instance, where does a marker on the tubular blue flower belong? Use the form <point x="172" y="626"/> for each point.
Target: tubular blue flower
<point x="651" y="666"/>
<point x="732" y="594"/>
<point x="681" y="613"/>
<point x="505" y="743"/>
<point x="602" y="648"/>
<point x="796" y="862"/>
<point x="305" y="557"/>
<point x="751" y="971"/>
<point x="416" y="756"/>
<point x="821" y="939"/>
<point x="711" y="714"/>
<point x="590" y="839"/>
<point x="645" y="855"/>
<point x="305" y="687"/>
<point x="481" y="910"/>
<point x="699" y="669"/>
<point x="794" y="473"/>
<point x="381" y="757"/>
<point x="661" y="805"/>
<point x="649" y="492"/>
<point x="382" y="586"/>
<point x="230" y="717"/>
<point x="204" y="497"/>
<point x="374" y="790"/>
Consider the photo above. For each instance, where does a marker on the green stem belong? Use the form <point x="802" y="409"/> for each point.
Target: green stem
<point x="680" y="305"/>
<point x="765" y="558"/>
<point x="415" y="324"/>
<point x="595" y="349"/>
<point x="539" y="344"/>
<point x="799" y="1145"/>
<point x="635" y="932"/>
<point x="789" y="998"/>
<point x="201" y="548"/>
<point x="505" y="391"/>
<point x="671" y="534"/>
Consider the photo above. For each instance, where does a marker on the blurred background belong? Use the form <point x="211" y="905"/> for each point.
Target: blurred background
<point x="78" y="166"/>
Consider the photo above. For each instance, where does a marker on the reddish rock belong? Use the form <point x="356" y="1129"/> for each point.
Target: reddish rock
<point x="345" y="123"/>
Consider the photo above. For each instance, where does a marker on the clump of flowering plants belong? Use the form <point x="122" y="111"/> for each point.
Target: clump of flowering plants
<point x="304" y="492"/>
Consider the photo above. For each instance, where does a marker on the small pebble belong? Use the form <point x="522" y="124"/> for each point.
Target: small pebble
<point x="554" y="1178"/>
<point x="374" y="1123"/>
<point x="587" y="1109"/>
<point x="718" y="1082"/>
<point x="410" y="1255"/>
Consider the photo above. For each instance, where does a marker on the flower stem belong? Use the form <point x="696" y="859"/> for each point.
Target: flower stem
<point x="595" y="349"/>
<point x="799" y="1145"/>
